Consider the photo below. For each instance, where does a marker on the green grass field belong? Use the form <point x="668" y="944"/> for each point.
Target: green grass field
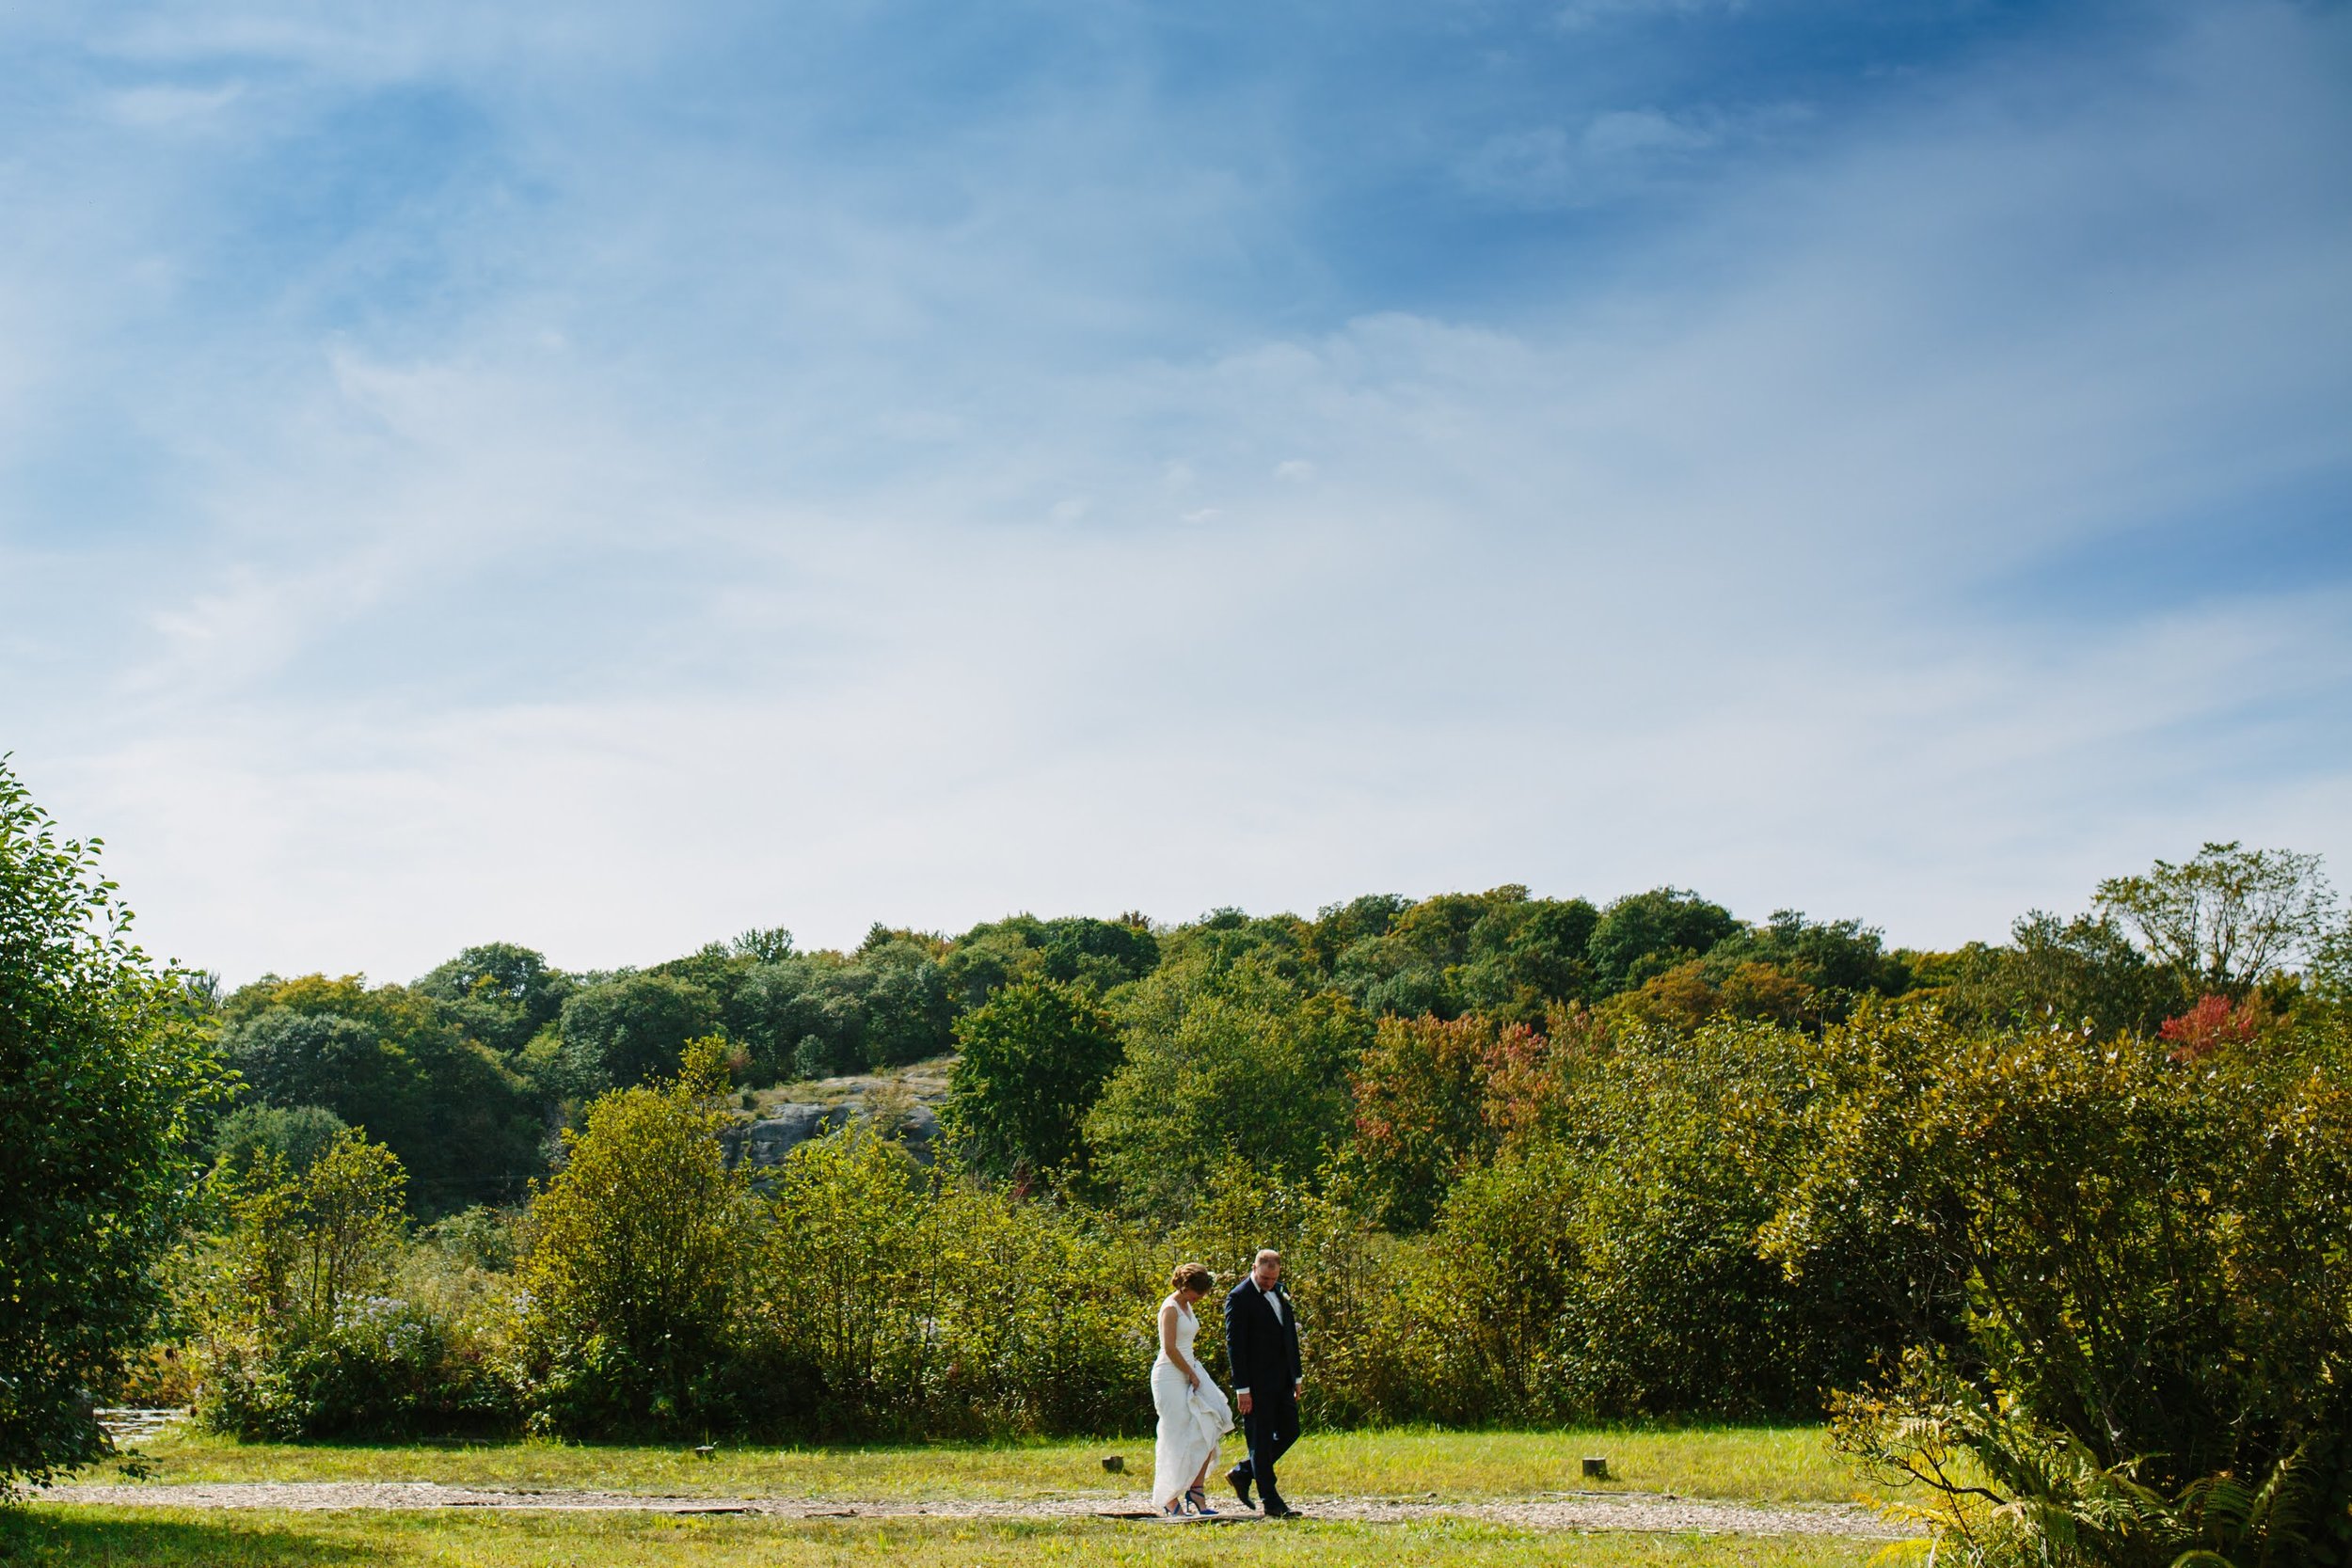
<point x="56" y="1537"/>
<point x="1763" y="1465"/>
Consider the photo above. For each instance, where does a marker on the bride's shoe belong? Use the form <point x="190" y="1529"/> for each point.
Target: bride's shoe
<point x="1198" y="1497"/>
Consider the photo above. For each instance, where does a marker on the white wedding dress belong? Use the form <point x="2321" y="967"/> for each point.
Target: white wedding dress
<point x="1191" y="1419"/>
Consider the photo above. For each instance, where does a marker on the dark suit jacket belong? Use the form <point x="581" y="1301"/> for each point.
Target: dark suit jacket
<point x="1262" y="1350"/>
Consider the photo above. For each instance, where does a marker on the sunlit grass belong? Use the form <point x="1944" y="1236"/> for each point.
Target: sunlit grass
<point x="53" y="1536"/>
<point x="1768" y="1464"/>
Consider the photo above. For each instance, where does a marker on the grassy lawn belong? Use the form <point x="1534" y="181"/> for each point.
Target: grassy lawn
<point x="54" y="1536"/>
<point x="1765" y="1465"/>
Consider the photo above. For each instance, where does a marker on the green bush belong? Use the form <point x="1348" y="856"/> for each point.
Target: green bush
<point x="1682" y="1147"/>
<point x="890" y="1301"/>
<point x="636" y="1248"/>
<point x="99" y="1075"/>
<point x="2156" y="1257"/>
<point x="386" y="1369"/>
<point x="319" y="1321"/>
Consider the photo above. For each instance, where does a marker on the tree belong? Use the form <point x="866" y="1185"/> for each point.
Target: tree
<point x="908" y="1014"/>
<point x="385" y="1059"/>
<point x="2080" y="970"/>
<point x="500" y="994"/>
<point x="1424" y="1111"/>
<point x="850" y="1282"/>
<point x="1035" y="1058"/>
<point x="2227" y="917"/>
<point x="1076" y="949"/>
<point x="297" y="1135"/>
<point x="289" y="1058"/>
<point x="1697" y="990"/>
<point x="301" y="1244"/>
<point x="635" y="1029"/>
<point x="1646" y="933"/>
<point x="1498" y="951"/>
<point x="99" y="1074"/>
<point x="1528" y="958"/>
<point x="2331" y="972"/>
<point x="635" y="1248"/>
<point x="1230" y="1065"/>
<point x="1842" y="958"/>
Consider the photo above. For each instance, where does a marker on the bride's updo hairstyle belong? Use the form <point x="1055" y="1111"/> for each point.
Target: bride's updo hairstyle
<point x="1193" y="1277"/>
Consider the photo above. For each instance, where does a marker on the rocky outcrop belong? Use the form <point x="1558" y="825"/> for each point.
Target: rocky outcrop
<point x="765" y="1143"/>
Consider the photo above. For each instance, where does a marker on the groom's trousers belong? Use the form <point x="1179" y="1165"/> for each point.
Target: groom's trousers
<point x="1271" y="1427"/>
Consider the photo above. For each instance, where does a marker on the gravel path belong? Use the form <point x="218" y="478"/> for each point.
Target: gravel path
<point x="1619" y="1511"/>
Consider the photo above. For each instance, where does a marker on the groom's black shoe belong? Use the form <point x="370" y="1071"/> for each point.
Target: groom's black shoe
<point x="1240" y="1484"/>
<point x="1277" y="1508"/>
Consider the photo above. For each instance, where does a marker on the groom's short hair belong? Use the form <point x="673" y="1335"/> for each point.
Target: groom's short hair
<point x="1265" y="1253"/>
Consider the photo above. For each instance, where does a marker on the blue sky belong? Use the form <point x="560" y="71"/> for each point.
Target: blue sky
<point x="608" y="476"/>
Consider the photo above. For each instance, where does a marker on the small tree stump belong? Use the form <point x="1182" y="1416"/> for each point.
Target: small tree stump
<point x="1595" y="1468"/>
<point x="1115" y="1464"/>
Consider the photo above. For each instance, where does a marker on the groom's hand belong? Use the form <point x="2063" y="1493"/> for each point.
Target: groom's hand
<point x="1244" y="1397"/>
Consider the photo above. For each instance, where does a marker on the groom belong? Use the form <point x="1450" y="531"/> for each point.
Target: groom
<point x="1261" y="1348"/>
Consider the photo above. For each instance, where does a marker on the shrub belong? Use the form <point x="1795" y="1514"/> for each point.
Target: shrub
<point x="1997" y="1488"/>
<point x="1681" y="1148"/>
<point x="317" y="1321"/>
<point x="1045" y="1322"/>
<point x="385" y="1369"/>
<point x="634" y="1251"/>
<point x="889" y="1301"/>
<point x="2155" y="1255"/>
<point x="1612" y="1244"/>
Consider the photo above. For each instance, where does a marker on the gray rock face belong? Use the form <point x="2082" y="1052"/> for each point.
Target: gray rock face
<point x="765" y="1143"/>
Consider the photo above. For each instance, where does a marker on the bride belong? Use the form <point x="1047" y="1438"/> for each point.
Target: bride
<point x="1192" y="1409"/>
